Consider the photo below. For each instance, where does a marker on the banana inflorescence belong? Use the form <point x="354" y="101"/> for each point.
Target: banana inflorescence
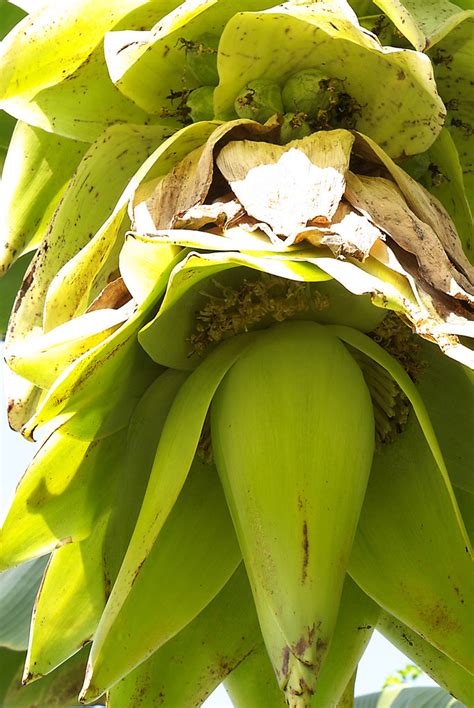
<point x="245" y="319"/>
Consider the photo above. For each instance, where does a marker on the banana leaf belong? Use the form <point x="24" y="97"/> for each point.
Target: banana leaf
<point x="408" y="697"/>
<point x="9" y="286"/>
<point x="58" y="690"/>
<point x="9" y="16"/>
<point x="18" y="588"/>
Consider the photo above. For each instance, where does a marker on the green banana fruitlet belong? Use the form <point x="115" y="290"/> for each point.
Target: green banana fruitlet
<point x="237" y="286"/>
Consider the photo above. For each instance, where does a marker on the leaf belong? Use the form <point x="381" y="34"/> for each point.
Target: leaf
<point x="196" y="552"/>
<point x="9" y="16"/>
<point x="253" y="682"/>
<point x="7" y="124"/>
<point x="51" y="42"/>
<point x="379" y="200"/>
<point x="449" y="398"/>
<point x="123" y="370"/>
<point x="90" y="198"/>
<point x="12" y="664"/>
<point x="440" y="171"/>
<point x="137" y="461"/>
<point x="424" y="206"/>
<point x="465" y="500"/>
<point x="57" y="690"/>
<point x="172" y="463"/>
<point x="43" y="359"/>
<point x="160" y="203"/>
<point x="402" y="121"/>
<point x="356" y="621"/>
<point x="66" y="614"/>
<point x="9" y="286"/>
<point x="451" y="58"/>
<point x="66" y="109"/>
<point x="23" y="400"/>
<point x="18" y="588"/>
<point x="409" y="532"/>
<point x="147" y="66"/>
<point x="140" y="265"/>
<point x="64" y="491"/>
<point x="375" y="352"/>
<point x="408" y="696"/>
<point x="193" y="663"/>
<point x="37" y="168"/>
<point x="289" y="186"/>
<point x="423" y="24"/>
<point x="449" y="675"/>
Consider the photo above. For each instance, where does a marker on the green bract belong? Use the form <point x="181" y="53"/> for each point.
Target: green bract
<point x="242" y="244"/>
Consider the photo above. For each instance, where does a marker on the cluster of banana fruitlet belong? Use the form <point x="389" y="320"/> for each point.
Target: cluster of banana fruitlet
<point x="241" y="243"/>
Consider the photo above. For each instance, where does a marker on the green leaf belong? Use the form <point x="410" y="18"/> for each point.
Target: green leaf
<point x="12" y="664"/>
<point x="125" y="375"/>
<point x="62" y="494"/>
<point x="423" y="23"/>
<point x="172" y="463"/>
<point x="356" y="621"/>
<point x="66" y="614"/>
<point x="453" y="68"/>
<point x="253" y="682"/>
<point x="407" y="697"/>
<point x="37" y="168"/>
<point x="9" y="286"/>
<point x="148" y="66"/>
<point x="88" y="202"/>
<point x="67" y="109"/>
<point x="448" y="394"/>
<point x="9" y="17"/>
<point x="99" y="391"/>
<point x="196" y="552"/>
<point x="368" y="347"/>
<point x="42" y="359"/>
<point x="409" y="532"/>
<point x="7" y="124"/>
<point x="52" y="42"/>
<point x="193" y="663"/>
<point x="466" y="505"/>
<point x="142" y="441"/>
<point x="18" y="588"/>
<point x="57" y="690"/>
<point x="444" y="671"/>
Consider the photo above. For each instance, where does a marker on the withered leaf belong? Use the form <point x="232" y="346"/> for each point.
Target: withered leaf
<point x="288" y="186"/>
<point x="350" y="234"/>
<point x="382" y="202"/>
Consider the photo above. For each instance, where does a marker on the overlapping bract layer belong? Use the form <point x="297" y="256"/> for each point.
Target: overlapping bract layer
<point x="123" y="343"/>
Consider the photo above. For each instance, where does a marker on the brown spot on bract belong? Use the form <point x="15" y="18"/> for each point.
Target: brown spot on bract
<point x="286" y="660"/>
<point x="304" y="571"/>
<point x="439" y="618"/>
<point x="137" y="572"/>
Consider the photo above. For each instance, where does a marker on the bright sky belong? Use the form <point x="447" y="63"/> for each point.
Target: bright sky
<point x="380" y="660"/>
